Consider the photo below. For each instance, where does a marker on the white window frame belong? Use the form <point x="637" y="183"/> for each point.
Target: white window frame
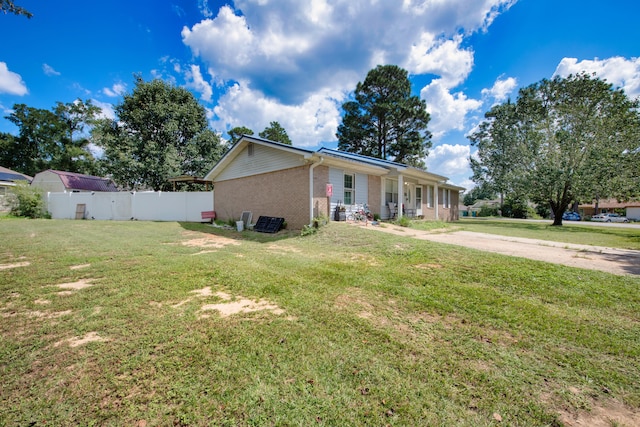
<point x="430" y="196"/>
<point x="419" y="197"/>
<point x="351" y="191"/>
<point x="446" y="196"/>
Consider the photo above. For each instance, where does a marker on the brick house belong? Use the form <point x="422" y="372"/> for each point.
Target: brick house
<point x="273" y="179"/>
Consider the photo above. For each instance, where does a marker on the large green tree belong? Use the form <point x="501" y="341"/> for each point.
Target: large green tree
<point x="236" y="133"/>
<point x="47" y="139"/>
<point x="570" y="139"/>
<point x="275" y="132"/>
<point x="496" y="164"/>
<point x="160" y="131"/>
<point x="384" y="120"/>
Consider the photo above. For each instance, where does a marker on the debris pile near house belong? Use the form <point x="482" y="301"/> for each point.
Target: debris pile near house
<point x="268" y="224"/>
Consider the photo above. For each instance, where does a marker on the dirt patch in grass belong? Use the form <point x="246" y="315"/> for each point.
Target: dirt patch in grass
<point x="599" y="413"/>
<point x="80" y="267"/>
<point x="75" y="286"/>
<point x="78" y="341"/>
<point x="233" y="306"/>
<point x="209" y="241"/>
<point x="14" y="265"/>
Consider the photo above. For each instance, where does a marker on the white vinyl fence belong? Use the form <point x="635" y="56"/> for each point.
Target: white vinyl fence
<point x="124" y="206"/>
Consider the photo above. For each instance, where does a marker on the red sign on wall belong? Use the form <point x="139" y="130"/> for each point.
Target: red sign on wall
<point x="329" y="190"/>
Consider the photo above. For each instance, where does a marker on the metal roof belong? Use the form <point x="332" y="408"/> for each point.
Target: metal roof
<point x="78" y="181"/>
<point x="6" y="176"/>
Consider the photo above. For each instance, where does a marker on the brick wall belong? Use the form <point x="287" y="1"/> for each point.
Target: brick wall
<point x="283" y="194"/>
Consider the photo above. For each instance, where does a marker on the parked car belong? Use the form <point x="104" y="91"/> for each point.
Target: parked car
<point x="571" y="216"/>
<point x="609" y="217"/>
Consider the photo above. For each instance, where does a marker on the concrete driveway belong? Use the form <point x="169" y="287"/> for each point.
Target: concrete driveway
<point x="610" y="260"/>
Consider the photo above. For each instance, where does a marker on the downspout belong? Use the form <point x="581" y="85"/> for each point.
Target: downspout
<point x="311" y="168"/>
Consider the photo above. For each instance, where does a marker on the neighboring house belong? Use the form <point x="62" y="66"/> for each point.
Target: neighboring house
<point x="8" y="179"/>
<point x="58" y="181"/>
<point x="278" y="180"/>
<point x="630" y="209"/>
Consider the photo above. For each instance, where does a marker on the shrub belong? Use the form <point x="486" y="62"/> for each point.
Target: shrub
<point x="27" y="202"/>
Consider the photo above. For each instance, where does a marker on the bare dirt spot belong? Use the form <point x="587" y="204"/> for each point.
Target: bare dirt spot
<point x="282" y="248"/>
<point x="204" y="292"/>
<point x="240" y="305"/>
<point x="48" y="315"/>
<point x="79" y="267"/>
<point x="78" y="341"/>
<point x="427" y="266"/>
<point x="14" y="265"/>
<point x="209" y="241"/>
<point x="42" y="302"/>
<point x="602" y="414"/>
<point x="76" y="286"/>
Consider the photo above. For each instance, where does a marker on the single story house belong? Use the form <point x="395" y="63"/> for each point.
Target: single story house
<point x="278" y="180"/>
<point x="8" y="179"/>
<point x="630" y="209"/>
<point x="58" y="182"/>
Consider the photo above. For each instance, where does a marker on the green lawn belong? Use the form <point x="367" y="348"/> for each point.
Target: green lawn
<point x="374" y="329"/>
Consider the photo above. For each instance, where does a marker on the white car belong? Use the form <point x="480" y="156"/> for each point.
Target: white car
<point x="609" y="217"/>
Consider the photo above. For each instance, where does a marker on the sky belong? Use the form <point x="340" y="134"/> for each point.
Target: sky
<point x="251" y="62"/>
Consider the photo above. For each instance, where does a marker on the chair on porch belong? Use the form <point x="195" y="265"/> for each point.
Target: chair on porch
<point x="393" y="210"/>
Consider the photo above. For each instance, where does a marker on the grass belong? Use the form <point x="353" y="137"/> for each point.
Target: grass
<point x="376" y="329"/>
<point x="570" y="232"/>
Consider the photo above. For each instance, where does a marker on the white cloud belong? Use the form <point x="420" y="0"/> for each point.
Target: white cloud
<point x="501" y="89"/>
<point x="49" y="70"/>
<point x="118" y="89"/>
<point x="106" y="109"/>
<point x="448" y="110"/>
<point x="441" y="57"/>
<point x="449" y="160"/>
<point x="11" y="82"/>
<point x="313" y="121"/>
<point x="197" y="83"/>
<point x="621" y="72"/>
<point x="291" y="50"/>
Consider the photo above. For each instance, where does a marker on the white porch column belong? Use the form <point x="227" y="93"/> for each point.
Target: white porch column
<point x="400" y="195"/>
<point x="435" y="199"/>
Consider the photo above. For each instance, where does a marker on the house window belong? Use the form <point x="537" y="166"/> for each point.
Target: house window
<point x="429" y="196"/>
<point x="418" y="197"/>
<point x="349" y="181"/>
<point x="390" y="191"/>
<point x="446" y="198"/>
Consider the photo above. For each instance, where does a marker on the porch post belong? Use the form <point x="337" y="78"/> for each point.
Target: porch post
<point x="435" y="200"/>
<point x="400" y="196"/>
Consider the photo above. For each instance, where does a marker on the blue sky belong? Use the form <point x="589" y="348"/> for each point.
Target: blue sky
<point x="250" y="62"/>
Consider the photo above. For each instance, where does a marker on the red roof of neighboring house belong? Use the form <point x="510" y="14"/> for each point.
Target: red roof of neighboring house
<point x="78" y="181"/>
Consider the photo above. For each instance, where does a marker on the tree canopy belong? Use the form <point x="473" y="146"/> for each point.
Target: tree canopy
<point x="47" y="139"/>
<point x="384" y="120"/>
<point x="160" y="132"/>
<point x="275" y="132"/>
<point x="8" y="6"/>
<point x="565" y="140"/>
<point x="236" y="133"/>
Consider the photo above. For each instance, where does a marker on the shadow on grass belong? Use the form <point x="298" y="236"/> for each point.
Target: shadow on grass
<point x="248" y="235"/>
